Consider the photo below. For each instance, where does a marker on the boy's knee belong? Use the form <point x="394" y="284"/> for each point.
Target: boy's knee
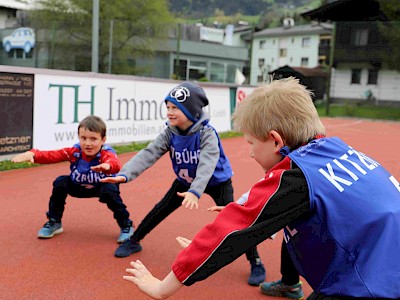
<point x="108" y="191"/>
<point x="109" y="188"/>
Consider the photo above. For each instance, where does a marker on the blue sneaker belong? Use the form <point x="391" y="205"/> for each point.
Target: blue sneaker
<point x="257" y="273"/>
<point x="127" y="248"/>
<point x="278" y="288"/>
<point x="126" y="233"/>
<point x="50" y="229"/>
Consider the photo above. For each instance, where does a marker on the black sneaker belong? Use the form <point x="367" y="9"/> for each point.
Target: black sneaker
<point x="127" y="248"/>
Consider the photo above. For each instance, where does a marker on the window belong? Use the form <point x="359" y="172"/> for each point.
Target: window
<point x="190" y="70"/>
<point x="197" y="69"/>
<point x="282" y="52"/>
<point x="262" y="44"/>
<point x="180" y="69"/>
<point x="304" y="61"/>
<point x="260" y="78"/>
<point x="372" y="76"/>
<point x="261" y="62"/>
<point x="359" y="37"/>
<point x="217" y="72"/>
<point x="324" y="42"/>
<point x="356" y="76"/>
<point x="231" y="73"/>
<point x="305" y="42"/>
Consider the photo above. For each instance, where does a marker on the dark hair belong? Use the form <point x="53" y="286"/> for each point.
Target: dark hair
<point x="94" y="124"/>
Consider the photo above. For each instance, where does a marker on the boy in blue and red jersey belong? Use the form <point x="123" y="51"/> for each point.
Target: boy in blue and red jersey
<point x="91" y="160"/>
<point x="339" y="208"/>
<point x="198" y="161"/>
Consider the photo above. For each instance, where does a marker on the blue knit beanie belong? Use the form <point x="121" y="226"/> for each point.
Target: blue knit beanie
<point x="189" y="98"/>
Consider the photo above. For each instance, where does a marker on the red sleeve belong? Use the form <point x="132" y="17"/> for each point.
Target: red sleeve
<point x="232" y="218"/>
<point x="111" y="158"/>
<point x="54" y="156"/>
<point x="274" y="202"/>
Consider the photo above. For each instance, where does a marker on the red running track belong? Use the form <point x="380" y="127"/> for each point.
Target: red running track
<point x="79" y="263"/>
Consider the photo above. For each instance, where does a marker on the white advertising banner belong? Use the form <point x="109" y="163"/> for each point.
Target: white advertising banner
<point x="209" y="34"/>
<point x="134" y="111"/>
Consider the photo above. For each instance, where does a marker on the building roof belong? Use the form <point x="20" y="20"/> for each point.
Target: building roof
<point x="314" y="28"/>
<point x="245" y="28"/>
<point x="306" y="72"/>
<point x="17" y="4"/>
<point x="347" y="10"/>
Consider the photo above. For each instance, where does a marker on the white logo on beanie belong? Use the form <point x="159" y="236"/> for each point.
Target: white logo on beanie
<point x="180" y="93"/>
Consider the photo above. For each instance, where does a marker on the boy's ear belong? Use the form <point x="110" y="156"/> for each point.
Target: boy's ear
<point x="103" y="140"/>
<point x="277" y="138"/>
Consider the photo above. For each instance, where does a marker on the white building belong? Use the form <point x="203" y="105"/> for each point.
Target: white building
<point x="361" y="68"/>
<point x="12" y="12"/>
<point x="295" y="46"/>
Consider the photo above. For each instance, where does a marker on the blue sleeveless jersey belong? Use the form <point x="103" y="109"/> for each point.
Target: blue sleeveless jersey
<point x="80" y="169"/>
<point x="185" y="153"/>
<point x="350" y="246"/>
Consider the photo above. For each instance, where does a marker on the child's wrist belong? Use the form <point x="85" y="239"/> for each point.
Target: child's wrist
<point x="194" y="193"/>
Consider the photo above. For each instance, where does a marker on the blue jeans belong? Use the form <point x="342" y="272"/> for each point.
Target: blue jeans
<point x="107" y="193"/>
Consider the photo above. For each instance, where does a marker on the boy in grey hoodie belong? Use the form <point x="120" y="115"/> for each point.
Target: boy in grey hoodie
<point x="199" y="163"/>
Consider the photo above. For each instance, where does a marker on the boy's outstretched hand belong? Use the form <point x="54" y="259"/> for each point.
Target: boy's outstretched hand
<point x="190" y="200"/>
<point x="116" y="179"/>
<point x="142" y="278"/>
<point x="183" y="242"/>
<point x="215" y="208"/>
<point x="27" y="156"/>
<point x="104" y="167"/>
<point x="149" y="284"/>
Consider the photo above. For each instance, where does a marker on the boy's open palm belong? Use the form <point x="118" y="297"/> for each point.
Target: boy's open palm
<point x="27" y="156"/>
<point x="190" y="200"/>
<point x="104" y="167"/>
<point x="116" y="179"/>
<point x="142" y="278"/>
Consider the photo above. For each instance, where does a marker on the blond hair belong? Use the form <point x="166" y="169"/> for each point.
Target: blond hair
<point x="282" y="105"/>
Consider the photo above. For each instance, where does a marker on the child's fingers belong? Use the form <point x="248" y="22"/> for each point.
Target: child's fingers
<point x="181" y="238"/>
<point x="184" y="202"/>
<point x="137" y="264"/>
<point x="138" y="271"/>
<point x="108" y="179"/>
<point x="183" y="242"/>
<point x="23" y="157"/>
<point x="190" y="204"/>
<point x="117" y="179"/>
<point x="131" y="279"/>
<point x="215" y="208"/>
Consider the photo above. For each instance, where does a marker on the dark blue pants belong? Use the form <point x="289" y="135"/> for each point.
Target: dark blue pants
<point x="290" y="275"/>
<point x="222" y="195"/>
<point x="107" y="193"/>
